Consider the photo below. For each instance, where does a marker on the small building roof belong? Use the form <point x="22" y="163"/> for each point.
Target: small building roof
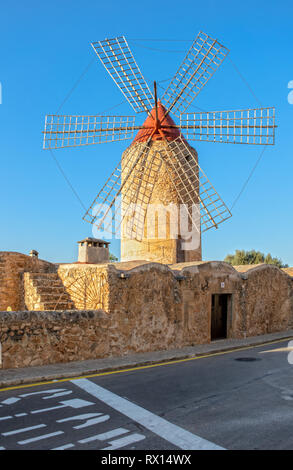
<point x="94" y="240"/>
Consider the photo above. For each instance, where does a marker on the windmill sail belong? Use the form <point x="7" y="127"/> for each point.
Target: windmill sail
<point x="248" y="126"/>
<point x="193" y="186"/>
<point x="75" y="131"/>
<point x="202" y="60"/>
<point x="126" y="193"/>
<point x="138" y="189"/>
<point x="119" y="62"/>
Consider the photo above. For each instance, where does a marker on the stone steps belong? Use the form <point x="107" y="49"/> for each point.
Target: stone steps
<point x="45" y="291"/>
<point x="43" y="275"/>
<point x="53" y="306"/>
<point x="49" y="289"/>
<point x="40" y="284"/>
<point x="53" y="297"/>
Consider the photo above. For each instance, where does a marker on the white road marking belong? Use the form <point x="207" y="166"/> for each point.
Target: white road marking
<point x="124" y="441"/>
<point x="42" y="392"/>
<point x="10" y="401"/>
<point x="5" y="417"/>
<point x="66" y="446"/>
<point x="78" y="417"/>
<point x="104" y="436"/>
<point x="17" y="431"/>
<point x="95" y="419"/>
<point x="43" y="410"/>
<point x="60" y="394"/>
<point x="170" y="432"/>
<point x="75" y="403"/>
<point x="56" y="392"/>
<point x="38" y="438"/>
<point x="20" y="414"/>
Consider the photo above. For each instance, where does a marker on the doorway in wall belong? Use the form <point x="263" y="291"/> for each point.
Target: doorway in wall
<point x="221" y="304"/>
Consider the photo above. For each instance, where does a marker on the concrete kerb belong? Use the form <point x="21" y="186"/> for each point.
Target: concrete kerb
<point x="51" y="372"/>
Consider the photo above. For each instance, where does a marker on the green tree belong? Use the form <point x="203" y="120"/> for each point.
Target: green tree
<point x="113" y="258"/>
<point x="241" y="257"/>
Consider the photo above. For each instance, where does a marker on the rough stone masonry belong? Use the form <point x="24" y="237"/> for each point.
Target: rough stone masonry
<point x="116" y="309"/>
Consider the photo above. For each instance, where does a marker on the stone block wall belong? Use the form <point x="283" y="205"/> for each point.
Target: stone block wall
<point x="12" y="267"/>
<point x="86" y="284"/>
<point x="145" y="307"/>
<point x="36" y="338"/>
<point x="268" y="300"/>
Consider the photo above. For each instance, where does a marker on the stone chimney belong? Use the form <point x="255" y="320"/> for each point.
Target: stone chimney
<point x="93" y="251"/>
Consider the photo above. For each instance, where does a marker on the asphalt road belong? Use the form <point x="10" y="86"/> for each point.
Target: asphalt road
<point x="236" y="400"/>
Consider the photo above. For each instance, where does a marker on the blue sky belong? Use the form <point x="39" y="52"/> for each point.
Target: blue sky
<point x="46" y="63"/>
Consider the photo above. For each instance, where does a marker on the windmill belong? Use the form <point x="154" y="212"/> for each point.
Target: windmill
<point x="160" y="166"/>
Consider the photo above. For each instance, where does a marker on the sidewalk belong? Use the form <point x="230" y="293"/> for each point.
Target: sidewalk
<point x="27" y="375"/>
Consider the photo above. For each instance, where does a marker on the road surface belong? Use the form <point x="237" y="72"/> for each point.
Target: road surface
<point x="237" y="400"/>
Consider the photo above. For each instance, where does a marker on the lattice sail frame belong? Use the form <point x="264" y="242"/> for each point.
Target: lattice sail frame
<point x="139" y="189"/>
<point x="111" y="207"/>
<point x="119" y="62"/>
<point x="193" y="186"/>
<point x="73" y="131"/>
<point x="202" y="60"/>
<point x="245" y="126"/>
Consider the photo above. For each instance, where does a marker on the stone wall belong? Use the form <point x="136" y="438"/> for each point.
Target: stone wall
<point x="146" y="307"/>
<point x="36" y="338"/>
<point x="170" y="303"/>
<point x="86" y="284"/>
<point x="12" y="267"/>
<point x="268" y="300"/>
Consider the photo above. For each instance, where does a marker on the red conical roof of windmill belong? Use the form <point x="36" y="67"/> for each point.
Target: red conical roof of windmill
<point x="167" y="127"/>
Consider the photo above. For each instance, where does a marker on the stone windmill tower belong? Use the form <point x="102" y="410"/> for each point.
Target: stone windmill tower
<point x="158" y="197"/>
<point x="154" y="229"/>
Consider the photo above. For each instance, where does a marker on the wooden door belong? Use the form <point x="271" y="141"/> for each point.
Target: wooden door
<point x="219" y="316"/>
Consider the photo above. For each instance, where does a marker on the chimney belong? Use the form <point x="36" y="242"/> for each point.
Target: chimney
<point x="93" y="251"/>
<point x="34" y="254"/>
